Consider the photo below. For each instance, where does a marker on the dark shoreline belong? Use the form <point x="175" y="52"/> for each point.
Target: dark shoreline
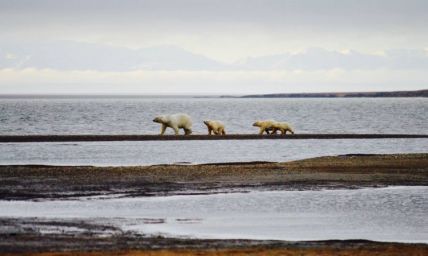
<point x="76" y="138"/>
<point x="378" y="94"/>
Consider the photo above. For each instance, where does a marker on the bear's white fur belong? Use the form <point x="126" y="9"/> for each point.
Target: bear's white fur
<point x="283" y="127"/>
<point x="215" y="126"/>
<point x="175" y="121"/>
<point x="265" y="126"/>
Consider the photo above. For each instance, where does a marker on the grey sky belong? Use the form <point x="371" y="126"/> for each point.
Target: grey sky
<point x="217" y="44"/>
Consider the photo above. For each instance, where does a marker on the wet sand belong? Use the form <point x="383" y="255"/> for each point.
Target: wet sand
<point x="26" y="182"/>
<point x="25" y="236"/>
<point x="75" y="138"/>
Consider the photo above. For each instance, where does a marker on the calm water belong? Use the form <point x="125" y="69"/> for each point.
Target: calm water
<point x="382" y="214"/>
<point x="135" y="115"/>
<point x="167" y="152"/>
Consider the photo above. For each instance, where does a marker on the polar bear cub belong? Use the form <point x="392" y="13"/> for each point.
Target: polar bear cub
<point x="176" y="122"/>
<point x="283" y="127"/>
<point x="215" y="126"/>
<point x="265" y="126"/>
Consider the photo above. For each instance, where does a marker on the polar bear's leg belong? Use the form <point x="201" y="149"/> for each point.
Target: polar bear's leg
<point x="209" y="130"/>
<point x="176" y="131"/>
<point x="223" y="132"/>
<point x="262" y="129"/>
<point x="163" y="128"/>
<point x="187" y="131"/>
<point x="220" y="131"/>
<point x="283" y="131"/>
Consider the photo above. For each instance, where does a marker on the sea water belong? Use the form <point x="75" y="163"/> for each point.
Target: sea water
<point x="134" y="115"/>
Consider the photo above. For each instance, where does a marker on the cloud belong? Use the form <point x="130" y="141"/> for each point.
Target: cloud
<point x="223" y="30"/>
<point x="330" y="14"/>
<point x="206" y="82"/>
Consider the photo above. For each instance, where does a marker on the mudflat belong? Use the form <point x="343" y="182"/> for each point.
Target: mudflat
<point x="26" y="182"/>
<point x="25" y="236"/>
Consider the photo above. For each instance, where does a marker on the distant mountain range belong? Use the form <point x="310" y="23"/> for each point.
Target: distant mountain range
<point x="419" y="93"/>
<point x="72" y="55"/>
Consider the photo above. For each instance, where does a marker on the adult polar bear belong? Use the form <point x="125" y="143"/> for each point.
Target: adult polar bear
<point x="176" y="122"/>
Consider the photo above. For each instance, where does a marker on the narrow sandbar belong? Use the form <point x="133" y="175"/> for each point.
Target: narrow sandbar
<point x="106" y="137"/>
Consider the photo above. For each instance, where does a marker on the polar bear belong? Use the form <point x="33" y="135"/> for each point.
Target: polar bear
<point x="175" y="121"/>
<point x="215" y="126"/>
<point x="281" y="126"/>
<point x="265" y="126"/>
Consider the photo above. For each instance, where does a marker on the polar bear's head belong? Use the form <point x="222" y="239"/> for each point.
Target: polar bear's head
<point x="258" y="124"/>
<point x="160" y="119"/>
<point x="207" y="122"/>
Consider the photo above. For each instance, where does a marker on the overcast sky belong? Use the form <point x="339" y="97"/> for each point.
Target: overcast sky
<point x="212" y="47"/>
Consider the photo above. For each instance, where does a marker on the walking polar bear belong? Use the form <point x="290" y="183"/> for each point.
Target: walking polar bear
<point x="215" y="126"/>
<point x="176" y="122"/>
<point x="265" y="126"/>
<point x="273" y="126"/>
<point x="283" y="127"/>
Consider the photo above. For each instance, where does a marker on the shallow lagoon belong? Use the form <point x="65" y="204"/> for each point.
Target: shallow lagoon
<point x="382" y="214"/>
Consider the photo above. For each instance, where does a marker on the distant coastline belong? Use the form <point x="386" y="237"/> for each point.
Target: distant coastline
<point x="379" y="94"/>
<point x="418" y="93"/>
